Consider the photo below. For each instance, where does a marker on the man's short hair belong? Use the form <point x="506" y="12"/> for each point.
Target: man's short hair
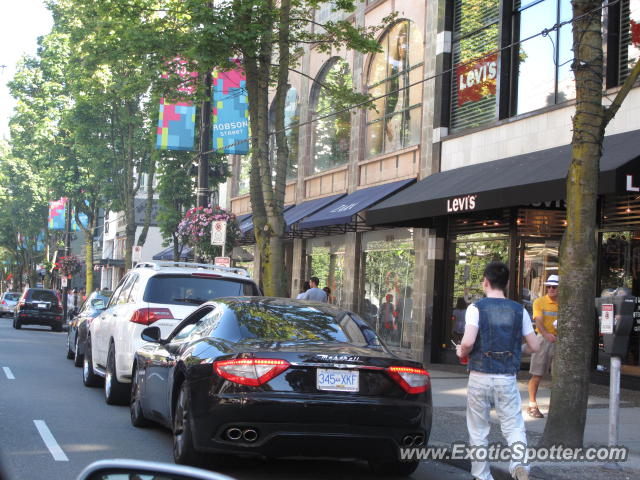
<point x="497" y="273"/>
<point x="315" y="280"/>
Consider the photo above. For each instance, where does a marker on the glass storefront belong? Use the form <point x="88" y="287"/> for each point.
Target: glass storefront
<point x="325" y="260"/>
<point x="470" y="253"/>
<point x="388" y="262"/>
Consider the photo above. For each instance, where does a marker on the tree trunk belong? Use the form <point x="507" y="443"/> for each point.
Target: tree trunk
<point x="576" y="317"/>
<point x="88" y="259"/>
<point x="149" y="206"/>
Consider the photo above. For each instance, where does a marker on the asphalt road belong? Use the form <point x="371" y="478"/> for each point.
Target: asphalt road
<point x="52" y="426"/>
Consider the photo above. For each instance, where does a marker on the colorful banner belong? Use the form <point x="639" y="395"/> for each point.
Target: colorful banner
<point x="176" y="126"/>
<point x="230" y="122"/>
<point x="477" y="80"/>
<point x="177" y="121"/>
<point x="56" y="214"/>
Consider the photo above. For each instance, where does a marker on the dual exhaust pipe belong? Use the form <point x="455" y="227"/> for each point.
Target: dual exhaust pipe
<point x="412" y="440"/>
<point x="248" y="434"/>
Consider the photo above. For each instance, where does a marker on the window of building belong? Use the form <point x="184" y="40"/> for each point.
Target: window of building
<point x="395" y="122"/>
<point x="542" y="71"/>
<point x="476" y="34"/>
<point x="629" y="37"/>
<point x="291" y="124"/>
<point x="244" y="173"/>
<point x="331" y="135"/>
<point x="388" y="263"/>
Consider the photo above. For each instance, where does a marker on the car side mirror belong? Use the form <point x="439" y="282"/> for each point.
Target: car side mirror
<point x="151" y="334"/>
<point x="136" y="469"/>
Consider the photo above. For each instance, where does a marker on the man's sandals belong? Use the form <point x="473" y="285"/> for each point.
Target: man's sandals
<point x="535" y="412"/>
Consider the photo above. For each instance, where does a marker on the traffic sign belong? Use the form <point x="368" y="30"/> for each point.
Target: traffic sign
<point x="222" y="261"/>
<point x="219" y="232"/>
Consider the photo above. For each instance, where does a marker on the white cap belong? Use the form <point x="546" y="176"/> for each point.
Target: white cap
<point x="552" y="281"/>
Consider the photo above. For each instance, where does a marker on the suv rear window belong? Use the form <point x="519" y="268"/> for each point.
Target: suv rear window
<point x="42" y="296"/>
<point x="194" y="290"/>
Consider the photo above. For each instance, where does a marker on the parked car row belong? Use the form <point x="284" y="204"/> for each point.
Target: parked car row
<point x="195" y="348"/>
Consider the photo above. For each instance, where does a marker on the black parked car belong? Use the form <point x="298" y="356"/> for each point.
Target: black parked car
<point x="95" y="303"/>
<point x="38" y="306"/>
<point x="276" y="377"/>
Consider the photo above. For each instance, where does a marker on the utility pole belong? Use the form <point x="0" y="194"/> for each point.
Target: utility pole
<point x="205" y="146"/>
<point x="67" y="252"/>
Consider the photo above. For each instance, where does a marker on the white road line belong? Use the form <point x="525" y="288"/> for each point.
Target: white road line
<point x="50" y="441"/>
<point x="8" y="373"/>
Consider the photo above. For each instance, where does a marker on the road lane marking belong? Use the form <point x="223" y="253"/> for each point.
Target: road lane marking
<point x="8" y="373"/>
<point x="50" y="441"/>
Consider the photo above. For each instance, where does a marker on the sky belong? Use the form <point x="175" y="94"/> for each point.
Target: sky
<point x="23" y="21"/>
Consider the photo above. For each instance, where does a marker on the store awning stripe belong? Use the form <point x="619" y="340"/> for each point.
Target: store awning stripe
<point x="342" y="211"/>
<point x="519" y="180"/>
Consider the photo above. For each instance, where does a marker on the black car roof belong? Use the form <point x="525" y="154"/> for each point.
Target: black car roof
<point x="279" y="302"/>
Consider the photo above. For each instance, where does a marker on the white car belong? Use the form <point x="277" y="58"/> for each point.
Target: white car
<point x="158" y="293"/>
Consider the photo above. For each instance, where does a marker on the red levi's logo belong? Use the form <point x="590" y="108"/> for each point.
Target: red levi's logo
<point x="477" y="80"/>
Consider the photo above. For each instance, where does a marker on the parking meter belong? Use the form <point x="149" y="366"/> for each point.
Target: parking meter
<point x="617" y="314"/>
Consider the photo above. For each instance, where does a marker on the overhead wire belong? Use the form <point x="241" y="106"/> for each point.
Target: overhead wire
<point x="317" y="118"/>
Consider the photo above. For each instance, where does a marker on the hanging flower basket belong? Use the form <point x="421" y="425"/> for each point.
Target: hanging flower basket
<point x="68" y="265"/>
<point x="196" y="226"/>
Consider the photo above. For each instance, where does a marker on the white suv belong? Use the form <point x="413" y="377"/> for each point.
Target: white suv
<point x="158" y="293"/>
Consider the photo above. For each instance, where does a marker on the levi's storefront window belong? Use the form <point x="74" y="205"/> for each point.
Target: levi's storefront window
<point x="619" y="267"/>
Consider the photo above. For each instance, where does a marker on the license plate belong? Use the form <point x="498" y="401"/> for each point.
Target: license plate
<point x="338" y="380"/>
<point x="42" y="305"/>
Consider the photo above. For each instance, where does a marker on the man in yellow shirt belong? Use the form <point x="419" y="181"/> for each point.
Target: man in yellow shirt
<point x="545" y="314"/>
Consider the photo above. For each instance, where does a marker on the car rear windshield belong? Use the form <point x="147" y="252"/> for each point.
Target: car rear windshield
<point x="194" y="290"/>
<point x="42" y="296"/>
<point x="280" y="323"/>
<point x="12" y="296"/>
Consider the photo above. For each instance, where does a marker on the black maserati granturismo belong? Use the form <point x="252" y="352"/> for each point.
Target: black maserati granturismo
<point x="277" y="377"/>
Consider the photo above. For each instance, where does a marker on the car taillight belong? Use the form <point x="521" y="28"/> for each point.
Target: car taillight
<point x="4" y="302"/>
<point x="147" y="316"/>
<point x="412" y="380"/>
<point x="250" y="371"/>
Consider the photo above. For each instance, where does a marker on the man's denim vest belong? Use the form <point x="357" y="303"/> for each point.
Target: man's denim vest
<point x="499" y="342"/>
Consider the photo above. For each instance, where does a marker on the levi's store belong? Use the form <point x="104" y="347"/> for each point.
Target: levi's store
<point x="513" y="210"/>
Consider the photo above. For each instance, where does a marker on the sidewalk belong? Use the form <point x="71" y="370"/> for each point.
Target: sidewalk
<point x="449" y="387"/>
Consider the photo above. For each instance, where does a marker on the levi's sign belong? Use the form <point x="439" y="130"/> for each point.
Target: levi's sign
<point x="461" y="204"/>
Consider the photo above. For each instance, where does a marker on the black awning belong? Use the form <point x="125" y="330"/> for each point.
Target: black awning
<point x="343" y="211"/>
<point x="520" y="180"/>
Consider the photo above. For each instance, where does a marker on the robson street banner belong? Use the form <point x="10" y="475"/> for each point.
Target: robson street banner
<point x="230" y="123"/>
<point x="57" y="213"/>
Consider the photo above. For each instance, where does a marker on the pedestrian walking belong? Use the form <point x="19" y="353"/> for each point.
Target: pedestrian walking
<point x="327" y="290"/>
<point x="314" y="293"/>
<point x="494" y="329"/>
<point x="545" y="314"/>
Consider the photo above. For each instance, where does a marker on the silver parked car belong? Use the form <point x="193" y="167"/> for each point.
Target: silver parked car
<point x="8" y="302"/>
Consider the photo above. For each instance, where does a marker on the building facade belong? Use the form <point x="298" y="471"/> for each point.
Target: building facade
<point x="398" y="208"/>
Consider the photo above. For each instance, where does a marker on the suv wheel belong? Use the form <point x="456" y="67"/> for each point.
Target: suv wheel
<point x="115" y="392"/>
<point x="89" y="377"/>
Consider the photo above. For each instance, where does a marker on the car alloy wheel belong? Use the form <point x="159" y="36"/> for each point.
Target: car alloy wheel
<point x="89" y="377"/>
<point x="115" y="392"/>
<point x="183" y="450"/>
<point x="137" y="417"/>
<point x="77" y="358"/>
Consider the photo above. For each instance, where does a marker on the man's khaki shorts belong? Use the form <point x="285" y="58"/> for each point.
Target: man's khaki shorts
<point x="541" y="360"/>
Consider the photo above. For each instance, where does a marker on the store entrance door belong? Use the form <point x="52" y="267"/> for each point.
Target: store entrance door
<point x="537" y="259"/>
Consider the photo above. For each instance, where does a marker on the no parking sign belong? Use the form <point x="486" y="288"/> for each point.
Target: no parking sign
<point x="219" y="232"/>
